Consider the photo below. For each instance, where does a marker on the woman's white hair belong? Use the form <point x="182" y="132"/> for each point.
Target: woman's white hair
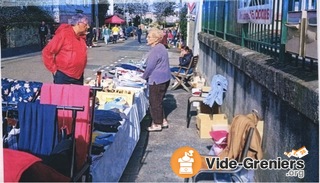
<point x="156" y="33"/>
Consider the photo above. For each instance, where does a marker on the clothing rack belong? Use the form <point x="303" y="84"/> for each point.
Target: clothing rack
<point x="74" y="110"/>
<point x="75" y="175"/>
<point x="86" y="166"/>
<point x="4" y="103"/>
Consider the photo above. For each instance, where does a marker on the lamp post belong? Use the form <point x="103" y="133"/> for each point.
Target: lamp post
<point x="111" y="7"/>
<point x="96" y="19"/>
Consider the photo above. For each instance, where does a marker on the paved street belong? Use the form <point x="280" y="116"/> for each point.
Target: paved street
<point x="150" y="161"/>
<point x="30" y="66"/>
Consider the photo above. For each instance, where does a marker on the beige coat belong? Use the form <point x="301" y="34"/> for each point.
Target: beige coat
<point x="236" y="138"/>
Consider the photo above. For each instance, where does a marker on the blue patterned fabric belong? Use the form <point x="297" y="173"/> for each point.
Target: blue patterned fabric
<point x="18" y="91"/>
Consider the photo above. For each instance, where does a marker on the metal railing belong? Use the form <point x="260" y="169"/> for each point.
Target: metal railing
<point x="219" y="18"/>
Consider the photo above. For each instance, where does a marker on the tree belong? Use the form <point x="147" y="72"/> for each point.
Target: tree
<point x="103" y="8"/>
<point x="118" y="9"/>
<point x="132" y="8"/>
<point x="183" y="21"/>
<point x="162" y="10"/>
<point x="148" y="21"/>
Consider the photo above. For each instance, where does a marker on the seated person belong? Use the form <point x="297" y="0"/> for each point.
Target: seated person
<point x="184" y="59"/>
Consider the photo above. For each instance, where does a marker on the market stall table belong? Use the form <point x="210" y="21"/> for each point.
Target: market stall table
<point x="109" y="166"/>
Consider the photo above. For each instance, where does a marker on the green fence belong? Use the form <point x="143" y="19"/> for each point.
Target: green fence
<point x="265" y="31"/>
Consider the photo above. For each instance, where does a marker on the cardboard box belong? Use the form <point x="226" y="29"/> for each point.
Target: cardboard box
<point x="107" y="96"/>
<point x="198" y="82"/>
<point x="205" y="89"/>
<point x="220" y="122"/>
<point x="203" y="108"/>
<point x="206" y="121"/>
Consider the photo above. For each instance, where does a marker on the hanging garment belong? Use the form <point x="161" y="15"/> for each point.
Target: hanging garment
<point x="219" y="85"/>
<point x="71" y="95"/>
<point x="236" y="138"/>
<point x="38" y="128"/>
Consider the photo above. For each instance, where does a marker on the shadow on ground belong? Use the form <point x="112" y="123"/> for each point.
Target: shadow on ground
<point x="11" y="52"/>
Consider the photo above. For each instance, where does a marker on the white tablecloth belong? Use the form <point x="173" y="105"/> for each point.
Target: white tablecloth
<point x="110" y="166"/>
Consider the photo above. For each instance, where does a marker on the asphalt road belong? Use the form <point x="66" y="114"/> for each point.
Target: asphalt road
<point x="30" y="67"/>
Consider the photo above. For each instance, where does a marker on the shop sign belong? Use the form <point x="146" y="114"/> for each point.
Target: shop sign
<point x="258" y="14"/>
<point x="191" y="6"/>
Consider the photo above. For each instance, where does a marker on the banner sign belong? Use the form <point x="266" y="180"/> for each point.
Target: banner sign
<point x="258" y="14"/>
<point x="191" y="6"/>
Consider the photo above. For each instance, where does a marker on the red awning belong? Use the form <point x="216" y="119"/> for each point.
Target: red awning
<point x="114" y="20"/>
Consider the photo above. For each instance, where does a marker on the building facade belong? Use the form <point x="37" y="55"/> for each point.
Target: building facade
<point x="60" y="10"/>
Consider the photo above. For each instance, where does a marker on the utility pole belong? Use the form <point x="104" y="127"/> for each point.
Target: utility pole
<point x="97" y="19"/>
<point x="111" y="7"/>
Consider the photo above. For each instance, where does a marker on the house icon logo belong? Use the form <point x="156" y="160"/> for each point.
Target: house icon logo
<point x="185" y="162"/>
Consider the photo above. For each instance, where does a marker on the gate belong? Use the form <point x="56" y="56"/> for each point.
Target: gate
<point x="260" y="25"/>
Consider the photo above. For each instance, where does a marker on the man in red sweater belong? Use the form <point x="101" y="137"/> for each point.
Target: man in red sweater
<point x="65" y="56"/>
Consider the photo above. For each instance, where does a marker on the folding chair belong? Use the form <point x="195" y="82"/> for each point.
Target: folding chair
<point x="234" y="177"/>
<point x="244" y="140"/>
<point x="184" y="74"/>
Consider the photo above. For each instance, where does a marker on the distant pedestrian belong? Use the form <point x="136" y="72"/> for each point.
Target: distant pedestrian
<point x="89" y="37"/>
<point x="134" y="32"/>
<point x="106" y="33"/>
<point x="94" y="31"/>
<point x="139" y="33"/>
<point x="124" y="32"/>
<point x="115" y="33"/>
<point x="65" y="56"/>
<point x="43" y="32"/>
<point x="164" y="40"/>
<point x="170" y="36"/>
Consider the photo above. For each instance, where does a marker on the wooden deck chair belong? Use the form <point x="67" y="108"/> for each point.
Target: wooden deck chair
<point x="184" y="74"/>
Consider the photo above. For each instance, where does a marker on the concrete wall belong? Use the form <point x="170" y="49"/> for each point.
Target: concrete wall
<point x="22" y="36"/>
<point x="287" y="104"/>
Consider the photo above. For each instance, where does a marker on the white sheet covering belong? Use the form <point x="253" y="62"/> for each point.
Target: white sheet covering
<point x="111" y="165"/>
